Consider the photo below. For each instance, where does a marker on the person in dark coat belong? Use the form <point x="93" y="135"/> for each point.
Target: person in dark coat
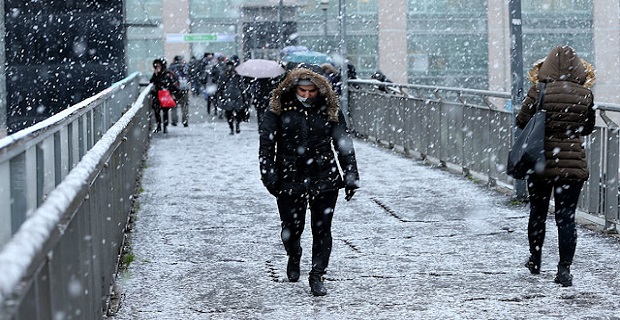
<point x="182" y="71"/>
<point x="299" y="133"/>
<point x="568" y="103"/>
<point x="232" y="97"/>
<point x="162" y="79"/>
<point x="261" y="90"/>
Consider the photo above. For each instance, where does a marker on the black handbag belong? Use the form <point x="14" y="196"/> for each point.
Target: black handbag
<point x="527" y="155"/>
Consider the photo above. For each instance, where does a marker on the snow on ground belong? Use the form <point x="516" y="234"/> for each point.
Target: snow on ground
<point x="416" y="242"/>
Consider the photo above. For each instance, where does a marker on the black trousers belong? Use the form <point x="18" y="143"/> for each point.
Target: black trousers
<point x="566" y="195"/>
<point x="158" y="115"/>
<point x="233" y="116"/>
<point x="292" y="210"/>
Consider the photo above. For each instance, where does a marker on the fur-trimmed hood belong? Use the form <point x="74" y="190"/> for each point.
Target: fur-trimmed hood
<point x="285" y="92"/>
<point x="562" y="63"/>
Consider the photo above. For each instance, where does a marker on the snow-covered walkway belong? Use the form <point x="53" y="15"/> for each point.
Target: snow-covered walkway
<point x="416" y="242"/>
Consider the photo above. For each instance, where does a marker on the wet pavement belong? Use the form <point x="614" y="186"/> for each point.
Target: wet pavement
<point x="416" y="242"/>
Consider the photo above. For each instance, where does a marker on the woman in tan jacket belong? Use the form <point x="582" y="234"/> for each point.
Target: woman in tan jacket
<point x="568" y="103"/>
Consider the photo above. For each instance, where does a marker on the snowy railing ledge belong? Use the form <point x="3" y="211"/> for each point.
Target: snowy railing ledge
<point x="30" y="245"/>
<point x="34" y="160"/>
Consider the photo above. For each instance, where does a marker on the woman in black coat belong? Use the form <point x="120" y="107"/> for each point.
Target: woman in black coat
<point x="162" y="79"/>
<point x="298" y="136"/>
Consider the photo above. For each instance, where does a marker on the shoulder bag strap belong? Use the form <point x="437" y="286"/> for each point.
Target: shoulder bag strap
<point x="541" y="97"/>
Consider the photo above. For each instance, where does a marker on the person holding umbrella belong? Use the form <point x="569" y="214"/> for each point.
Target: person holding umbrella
<point x="298" y="136"/>
<point x="264" y="75"/>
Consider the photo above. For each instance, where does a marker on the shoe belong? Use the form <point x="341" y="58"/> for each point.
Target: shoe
<point x="533" y="264"/>
<point x="185" y="124"/>
<point x="292" y="269"/>
<point x="317" y="287"/>
<point x="563" y="276"/>
<point x="238" y="130"/>
<point x="158" y="129"/>
<point x="165" y="129"/>
<point x="174" y="124"/>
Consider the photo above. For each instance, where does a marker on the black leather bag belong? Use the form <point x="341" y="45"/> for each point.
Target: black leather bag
<point x="527" y="155"/>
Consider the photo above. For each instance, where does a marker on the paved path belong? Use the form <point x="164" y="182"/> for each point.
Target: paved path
<point x="415" y="243"/>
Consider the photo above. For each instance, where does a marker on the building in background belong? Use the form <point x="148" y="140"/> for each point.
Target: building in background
<point x="67" y="50"/>
<point x="59" y="53"/>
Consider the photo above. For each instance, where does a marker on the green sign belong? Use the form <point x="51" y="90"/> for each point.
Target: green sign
<point x="199" y="37"/>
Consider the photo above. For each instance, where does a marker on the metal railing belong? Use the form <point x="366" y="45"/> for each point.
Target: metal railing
<point x="67" y="186"/>
<point x="472" y="131"/>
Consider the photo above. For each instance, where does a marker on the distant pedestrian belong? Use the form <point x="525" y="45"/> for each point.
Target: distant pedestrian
<point x="162" y="79"/>
<point x="333" y="75"/>
<point x="194" y="75"/>
<point x="568" y="103"/>
<point x="298" y="136"/>
<point x="261" y="90"/>
<point x="182" y="71"/>
<point x="232" y="97"/>
<point x="210" y="87"/>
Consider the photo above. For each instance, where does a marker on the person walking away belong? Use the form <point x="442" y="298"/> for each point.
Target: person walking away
<point x="181" y="70"/>
<point x="261" y="90"/>
<point x="217" y="74"/>
<point x="568" y="103"/>
<point x="194" y="75"/>
<point x="232" y="97"/>
<point x="162" y="79"/>
<point x="303" y="140"/>
<point x="210" y="87"/>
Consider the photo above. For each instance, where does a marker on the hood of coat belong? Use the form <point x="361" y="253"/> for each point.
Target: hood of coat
<point x="286" y="91"/>
<point x="562" y="64"/>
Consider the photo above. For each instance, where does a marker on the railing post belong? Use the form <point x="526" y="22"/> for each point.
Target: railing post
<point x="611" y="179"/>
<point x="516" y="70"/>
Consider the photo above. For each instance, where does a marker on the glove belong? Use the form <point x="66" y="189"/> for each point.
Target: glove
<point x="274" y="190"/>
<point x="349" y="192"/>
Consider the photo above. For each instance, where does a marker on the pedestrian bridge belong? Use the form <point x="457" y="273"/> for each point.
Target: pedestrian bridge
<point x="68" y="185"/>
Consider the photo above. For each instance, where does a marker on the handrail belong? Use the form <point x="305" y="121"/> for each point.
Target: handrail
<point x="471" y="130"/>
<point x="36" y="159"/>
<point x="73" y="237"/>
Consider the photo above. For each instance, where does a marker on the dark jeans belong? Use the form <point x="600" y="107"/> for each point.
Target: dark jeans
<point x="566" y="196"/>
<point x="158" y="115"/>
<point x="233" y="116"/>
<point x="292" y="210"/>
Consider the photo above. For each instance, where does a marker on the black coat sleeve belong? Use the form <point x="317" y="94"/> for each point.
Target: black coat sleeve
<point x="343" y="144"/>
<point x="268" y="134"/>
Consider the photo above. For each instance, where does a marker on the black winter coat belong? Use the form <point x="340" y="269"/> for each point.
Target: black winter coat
<point x="297" y="145"/>
<point x="164" y="80"/>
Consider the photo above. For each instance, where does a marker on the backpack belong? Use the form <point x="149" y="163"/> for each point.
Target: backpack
<point x="181" y="70"/>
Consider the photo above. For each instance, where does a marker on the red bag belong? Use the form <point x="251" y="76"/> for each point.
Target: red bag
<point x="165" y="99"/>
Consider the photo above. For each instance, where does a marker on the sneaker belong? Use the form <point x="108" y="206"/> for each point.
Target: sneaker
<point x="292" y="269"/>
<point x="563" y="276"/>
<point x="533" y="264"/>
<point x="317" y="287"/>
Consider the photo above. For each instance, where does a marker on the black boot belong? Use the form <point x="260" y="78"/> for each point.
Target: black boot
<point x="563" y="276"/>
<point x="158" y="129"/>
<point x="533" y="264"/>
<point x="237" y="127"/>
<point x="165" y="129"/>
<point x="317" y="287"/>
<point x="292" y="269"/>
